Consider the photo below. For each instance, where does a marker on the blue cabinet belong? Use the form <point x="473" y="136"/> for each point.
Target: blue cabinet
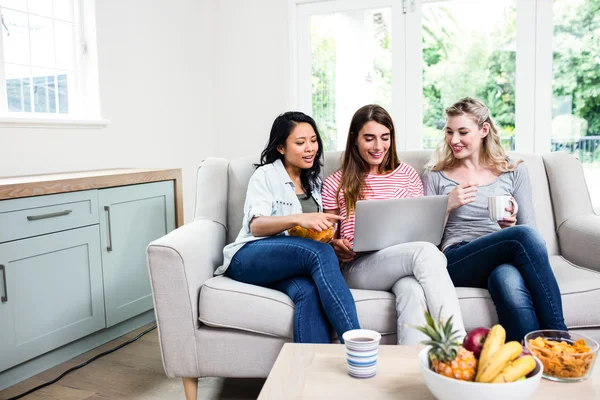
<point x="51" y="292"/>
<point x="74" y="263"/>
<point x="131" y="218"/>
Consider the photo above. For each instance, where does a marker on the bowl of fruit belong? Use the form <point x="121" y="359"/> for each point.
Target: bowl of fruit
<point x="483" y="367"/>
<point x="567" y="356"/>
<point x="322" y="236"/>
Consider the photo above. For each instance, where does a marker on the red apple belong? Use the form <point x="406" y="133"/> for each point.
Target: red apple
<point x="475" y="339"/>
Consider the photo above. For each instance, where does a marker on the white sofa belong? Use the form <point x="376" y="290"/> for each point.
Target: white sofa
<point x="215" y="326"/>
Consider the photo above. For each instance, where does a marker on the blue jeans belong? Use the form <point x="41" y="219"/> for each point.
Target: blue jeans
<point x="513" y="265"/>
<point x="308" y="272"/>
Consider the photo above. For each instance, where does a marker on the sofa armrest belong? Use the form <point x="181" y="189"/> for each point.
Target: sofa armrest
<point x="579" y="239"/>
<point x="179" y="264"/>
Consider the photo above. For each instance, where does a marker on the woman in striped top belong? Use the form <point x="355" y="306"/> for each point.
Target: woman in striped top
<point x="415" y="272"/>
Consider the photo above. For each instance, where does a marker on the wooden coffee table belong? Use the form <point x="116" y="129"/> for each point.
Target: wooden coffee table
<point x="318" y="371"/>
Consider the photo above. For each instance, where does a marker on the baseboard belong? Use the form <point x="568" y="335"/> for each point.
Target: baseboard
<point x="51" y="359"/>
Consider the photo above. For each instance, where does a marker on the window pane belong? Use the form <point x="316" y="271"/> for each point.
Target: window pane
<point x="64" y="79"/>
<point x="469" y="49"/>
<point x="42" y="42"/>
<point x="351" y="67"/>
<point x="63" y="9"/>
<point x="41" y="7"/>
<point x="576" y="86"/>
<point x="16" y="40"/>
<point x="18" y="88"/>
<point x="64" y="45"/>
<point x="44" y="91"/>
<point x="14" y="4"/>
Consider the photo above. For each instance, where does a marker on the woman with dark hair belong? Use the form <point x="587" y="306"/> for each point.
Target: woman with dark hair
<point x="415" y="272"/>
<point x="284" y="192"/>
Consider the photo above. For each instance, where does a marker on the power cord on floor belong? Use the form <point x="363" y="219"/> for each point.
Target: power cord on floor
<point x="82" y="364"/>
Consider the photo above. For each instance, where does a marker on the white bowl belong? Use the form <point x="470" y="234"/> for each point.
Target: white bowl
<point x="444" y="388"/>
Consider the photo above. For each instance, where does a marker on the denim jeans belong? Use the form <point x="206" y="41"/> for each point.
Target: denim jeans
<point x="513" y="265"/>
<point x="308" y="272"/>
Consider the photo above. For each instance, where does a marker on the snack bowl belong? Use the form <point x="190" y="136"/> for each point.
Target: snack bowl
<point x="444" y="388"/>
<point x="567" y="356"/>
<point x="323" y="236"/>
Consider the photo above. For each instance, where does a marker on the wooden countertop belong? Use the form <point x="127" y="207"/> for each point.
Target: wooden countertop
<point x="15" y="187"/>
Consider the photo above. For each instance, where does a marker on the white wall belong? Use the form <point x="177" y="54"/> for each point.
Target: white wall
<point x="251" y="78"/>
<point x="155" y="70"/>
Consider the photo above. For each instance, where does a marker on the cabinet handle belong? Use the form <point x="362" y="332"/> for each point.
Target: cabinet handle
<point x="109" y="247"/>
<point x="50" y="215"/>
<point x="4" y="297"/>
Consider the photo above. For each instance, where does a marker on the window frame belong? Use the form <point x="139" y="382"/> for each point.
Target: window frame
<point x="88" y="113"/>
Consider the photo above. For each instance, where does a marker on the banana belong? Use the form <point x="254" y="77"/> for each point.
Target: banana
<point x="494" y="340"/>
<point x="508" y="352"/>
<point x="515" y="370"/>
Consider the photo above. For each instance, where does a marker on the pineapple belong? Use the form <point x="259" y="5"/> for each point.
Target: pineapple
<point x="447" y="357"/>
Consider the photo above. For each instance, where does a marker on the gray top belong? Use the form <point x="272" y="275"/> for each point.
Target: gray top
<point x="472" y="220"/>
<point x="309" y="205"/>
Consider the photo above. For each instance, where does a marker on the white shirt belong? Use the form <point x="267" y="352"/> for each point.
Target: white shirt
<point x="271" y="192"/>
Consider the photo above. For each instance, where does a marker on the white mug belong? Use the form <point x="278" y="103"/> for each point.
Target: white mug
<point x="497" y="207"/>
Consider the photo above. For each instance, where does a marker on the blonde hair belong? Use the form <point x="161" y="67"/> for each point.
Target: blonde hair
<point x="491" y="153"/>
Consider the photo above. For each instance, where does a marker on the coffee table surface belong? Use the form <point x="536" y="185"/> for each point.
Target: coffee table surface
<point x="318" y="371"/>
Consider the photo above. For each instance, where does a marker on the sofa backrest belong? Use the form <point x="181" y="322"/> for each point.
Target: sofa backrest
<point x="240" y="171"/>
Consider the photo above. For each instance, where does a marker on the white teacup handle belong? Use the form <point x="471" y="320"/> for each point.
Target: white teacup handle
<point x="515" y="206"/>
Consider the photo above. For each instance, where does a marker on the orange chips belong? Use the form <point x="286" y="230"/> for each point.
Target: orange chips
<point x="562" y="359"/>
<point x="323" y="236"/>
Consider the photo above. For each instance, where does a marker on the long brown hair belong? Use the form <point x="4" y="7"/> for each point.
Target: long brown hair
<point x="491" y="153"/>
<point x="354" y="168"/>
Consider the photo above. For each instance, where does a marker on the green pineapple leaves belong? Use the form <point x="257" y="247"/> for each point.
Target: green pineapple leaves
<point x="444" y="341"/>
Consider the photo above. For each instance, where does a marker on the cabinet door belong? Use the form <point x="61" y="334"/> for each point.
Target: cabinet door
<point x="131" y="218"/>
<point x="51" y="288"/>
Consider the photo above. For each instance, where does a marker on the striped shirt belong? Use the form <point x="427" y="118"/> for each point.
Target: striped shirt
<point x="403" y="182"/>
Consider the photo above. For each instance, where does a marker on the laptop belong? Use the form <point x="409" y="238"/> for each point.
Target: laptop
<point x="383" y="223"/>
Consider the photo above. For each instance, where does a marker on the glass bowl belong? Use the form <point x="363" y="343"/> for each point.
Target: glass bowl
<point x="323" y="236"/>
<point x="568" y="361"/>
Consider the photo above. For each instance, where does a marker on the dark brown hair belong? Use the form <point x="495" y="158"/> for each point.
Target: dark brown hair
<point x="354" y="168"/>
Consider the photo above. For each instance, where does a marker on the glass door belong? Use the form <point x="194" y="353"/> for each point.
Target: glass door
<point x="350" y="53"/>
<point x="468" y="49"/>
<point x="576" y="86"/>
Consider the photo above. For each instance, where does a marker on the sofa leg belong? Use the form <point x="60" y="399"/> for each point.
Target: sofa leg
<point x="190" y="387"/>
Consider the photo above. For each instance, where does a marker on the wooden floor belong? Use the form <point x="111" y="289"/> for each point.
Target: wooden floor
<point x="132" y="372"/>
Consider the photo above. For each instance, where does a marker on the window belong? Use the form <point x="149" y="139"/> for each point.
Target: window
<point x="536" y="64"/>
<point x="350" y="64"/>
<point x="47" y="63"/>
<point x="469" y="49"/>
<point x="576" y="86"/>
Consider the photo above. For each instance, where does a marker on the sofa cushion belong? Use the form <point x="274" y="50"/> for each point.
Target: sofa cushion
<point x="227" y="303"/>
<point x="580" y="289"/>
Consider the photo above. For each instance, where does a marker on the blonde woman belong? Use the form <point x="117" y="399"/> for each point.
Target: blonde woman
<point x="507" y="257"/>
<point x="415" y="272"/>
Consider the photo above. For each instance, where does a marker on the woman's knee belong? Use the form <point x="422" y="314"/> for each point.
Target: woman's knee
<point x="527" y="236"/>
<point x="325" y="254"/>
<point x="430" y="257"/>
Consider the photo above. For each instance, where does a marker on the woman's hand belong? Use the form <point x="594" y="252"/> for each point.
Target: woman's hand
<point x="462" y="194"/>
<point x="343" y="250"/>
<point x="511" y="220"/>
<point x="317" y="221"/>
